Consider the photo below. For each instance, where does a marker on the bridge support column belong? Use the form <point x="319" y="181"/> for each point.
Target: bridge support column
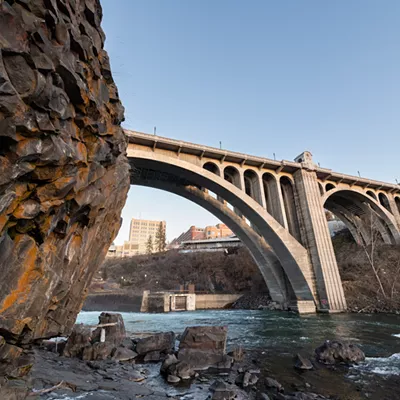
<point x="318" y="242"/>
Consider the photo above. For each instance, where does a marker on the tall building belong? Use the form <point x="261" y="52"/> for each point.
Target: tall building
<point x="140" y="231"/>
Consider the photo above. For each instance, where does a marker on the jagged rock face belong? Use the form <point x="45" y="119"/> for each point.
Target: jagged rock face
<point x="64" y="174"/>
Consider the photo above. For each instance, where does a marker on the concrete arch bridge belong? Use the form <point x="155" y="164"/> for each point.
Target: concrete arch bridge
<point x="277" y="209"/>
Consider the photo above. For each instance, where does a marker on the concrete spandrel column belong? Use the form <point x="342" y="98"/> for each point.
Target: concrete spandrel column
<point x="319" y="244"/>
<point x="262" y="193"/>
<point x="274" y="203"/>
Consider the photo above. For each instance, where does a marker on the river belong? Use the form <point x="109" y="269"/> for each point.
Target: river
<point x="377" y="334"/>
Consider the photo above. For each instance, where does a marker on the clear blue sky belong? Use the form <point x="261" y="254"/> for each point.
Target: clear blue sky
<point x="263" y="77"/>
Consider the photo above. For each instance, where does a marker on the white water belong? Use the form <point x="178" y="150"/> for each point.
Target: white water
<point x="380" y="365"/>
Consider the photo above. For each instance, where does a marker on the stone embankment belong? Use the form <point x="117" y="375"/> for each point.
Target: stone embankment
<point x="101" y="362"/>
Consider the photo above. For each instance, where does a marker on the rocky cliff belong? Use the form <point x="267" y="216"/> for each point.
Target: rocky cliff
<point x="64" y="174"/>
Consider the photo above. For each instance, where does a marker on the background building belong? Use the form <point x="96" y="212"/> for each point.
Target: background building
<point x="195" y="233"/>
<point x="139" y="233"/>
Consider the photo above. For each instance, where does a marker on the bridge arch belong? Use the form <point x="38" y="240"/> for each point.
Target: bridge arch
<point x="372" y="194"/>
<point x="279" y="288"/>
<point x="356" y="210"/>
<point x="292" y="256"/>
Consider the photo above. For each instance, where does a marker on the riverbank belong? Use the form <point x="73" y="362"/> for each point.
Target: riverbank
<point x="237" y="273"/>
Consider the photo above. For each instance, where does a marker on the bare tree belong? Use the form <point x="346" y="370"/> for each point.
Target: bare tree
<point x="370" y="249"/>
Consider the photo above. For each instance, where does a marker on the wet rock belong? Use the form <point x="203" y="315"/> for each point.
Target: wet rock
<point x="124" y="354"/>
<point x="173" y="379"/>
<point x="221" y="391"/>
<point x="79" y="339"/>
<point x="302" y="363"/>
<point x="203" y="347"/>
<point x="264" y="396"/>
<point x="204" y="338"/>
<point x="60" y="127"/>
<point x="98" y="351"/>
<point x="249" y="379"/>
<point x="303" y="396"/>
<point x="203" y="360"/>
<point x="162" y="342"/>
<point x="334" y="352"/>
<point x="115" y="334"/>
<point x="273" y="384"/>
<point x="169" y="360"/>
<point x="152" y="356"/>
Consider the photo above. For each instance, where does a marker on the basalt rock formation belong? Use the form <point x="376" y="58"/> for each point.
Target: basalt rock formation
<point x="64" y="174"/>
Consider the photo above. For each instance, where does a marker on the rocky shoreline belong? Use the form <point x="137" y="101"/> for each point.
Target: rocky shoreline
<point x="193" y="365"/>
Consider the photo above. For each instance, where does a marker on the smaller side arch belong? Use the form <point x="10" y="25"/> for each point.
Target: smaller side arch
<point x="329" y="186"/>
<point x="371" y="194"/>
<point x="232" y="175"/>
<point x="252" y="185"/>
<point x="273" y="197"/>
<point x="384" y="201"/>
<point x="212" y="167"/>
<point x="397" y="201"/>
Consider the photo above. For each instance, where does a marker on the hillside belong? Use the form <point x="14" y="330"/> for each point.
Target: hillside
<point x="237" y="273"/>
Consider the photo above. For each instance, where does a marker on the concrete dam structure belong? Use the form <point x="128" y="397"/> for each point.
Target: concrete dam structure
<point x="276" y="208"/>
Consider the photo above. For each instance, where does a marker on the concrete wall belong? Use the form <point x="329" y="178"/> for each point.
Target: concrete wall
<point x="207" y="301"/>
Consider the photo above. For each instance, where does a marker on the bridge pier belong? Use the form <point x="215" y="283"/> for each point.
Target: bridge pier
<point x="328" y="289"/>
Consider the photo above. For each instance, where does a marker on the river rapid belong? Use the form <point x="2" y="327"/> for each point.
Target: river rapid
<point x="277" y="336"/>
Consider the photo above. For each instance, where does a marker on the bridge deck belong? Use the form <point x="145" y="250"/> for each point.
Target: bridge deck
<point x="179" y="146"/>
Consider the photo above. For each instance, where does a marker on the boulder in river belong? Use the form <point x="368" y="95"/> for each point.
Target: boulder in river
<point x="203" y="347"/>
<point x="205" y="338"/>
<point x="162" y="342"/>
<point x="88" y="345"/>
<point x="335" y="352"/>
<point x="302" y="363"/>
<point x="114" y="328"/>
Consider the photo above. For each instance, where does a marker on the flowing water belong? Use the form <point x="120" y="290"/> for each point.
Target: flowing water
<point x="377" y="334"/>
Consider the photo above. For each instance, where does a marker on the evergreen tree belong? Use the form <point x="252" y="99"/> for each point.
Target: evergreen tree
<point x="149" y="245"/>
<point x="160" y="238"/>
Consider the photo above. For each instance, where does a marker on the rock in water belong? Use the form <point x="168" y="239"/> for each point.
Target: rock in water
<point x="64" y="173"/>
<point x="334" y="352"/>
<point x="302" y="363"/>
<point x="204" y="338"/>
<point x="115" y="334"/>
<point x="203" y="347"/>
<point x="161" y="342"/>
